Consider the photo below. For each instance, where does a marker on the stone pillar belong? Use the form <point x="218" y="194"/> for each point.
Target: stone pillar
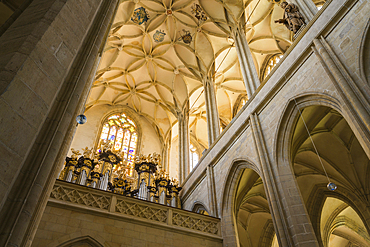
<point x="307" y="8"/>
<point x="47" y="56"/>
<point x="249" y="72"/>
<point x="211" y="192"/>
<point x="213" y="120"/>
<point x="291" y="221"/>
<point x="183" y="122"/>
<point x="355" y="102"/>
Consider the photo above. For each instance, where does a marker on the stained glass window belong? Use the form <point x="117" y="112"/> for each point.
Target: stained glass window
<point x="240" y="103"/>
<point x="120" y="131"/>
<point x="272" y="63"/>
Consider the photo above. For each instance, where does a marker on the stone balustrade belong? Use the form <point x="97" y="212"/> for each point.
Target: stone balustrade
<point x="93" y="200"/>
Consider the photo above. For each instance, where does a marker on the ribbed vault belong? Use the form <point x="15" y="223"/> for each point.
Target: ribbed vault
<point x="252" y="213"/>
<point x="347" y="166"/>
<point x="158" y="52"/>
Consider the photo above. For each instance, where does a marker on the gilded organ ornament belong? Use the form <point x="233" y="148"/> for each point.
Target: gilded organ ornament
<point x="108" y="171"/>
<point x="87" y="152"/>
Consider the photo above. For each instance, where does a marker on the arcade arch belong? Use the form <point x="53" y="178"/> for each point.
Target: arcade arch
<point x="335" y="222"/>
<point x="253" y="220"/>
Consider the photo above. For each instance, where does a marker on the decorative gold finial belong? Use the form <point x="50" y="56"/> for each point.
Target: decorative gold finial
<point x="150" y="158"/>
<point x="175" y="182"/>
<point x="75" y="153"/>
<point x="156" y="159"/>
<point x="87" y="152"/>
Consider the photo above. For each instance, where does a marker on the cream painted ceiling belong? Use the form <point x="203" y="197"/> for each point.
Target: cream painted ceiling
<point x="158" y="51"/>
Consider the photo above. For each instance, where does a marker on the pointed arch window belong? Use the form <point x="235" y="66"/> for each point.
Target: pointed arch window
<point x="121" y="132"/>
<point x="272" y="62"/>
<point x="194" y="157"/>
<point x="239" y="103"/>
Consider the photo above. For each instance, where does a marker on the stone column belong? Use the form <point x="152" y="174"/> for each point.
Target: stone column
<point x="213" y="120"/>
<point x="183" y="122"/>
<point x="291" y="221"/>
<point x="249" y="72"/>
<point x="211" y="191"/>
<point x="47" y="56"/>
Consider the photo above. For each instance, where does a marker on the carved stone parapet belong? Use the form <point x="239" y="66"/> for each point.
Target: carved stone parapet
<point x="86" y="199"/>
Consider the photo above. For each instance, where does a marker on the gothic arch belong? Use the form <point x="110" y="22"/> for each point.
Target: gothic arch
<point x="228" y="224"/>
<point x="83" y="241"/>
<point x="297" y="161"/>
<point x="316" y="203"/>
<point x="199" y="206"/>
<point x="290" y="117"/>
<point x="131" y="114"/>
<point x="283" y="156"/>
<point x="364" y="62"/>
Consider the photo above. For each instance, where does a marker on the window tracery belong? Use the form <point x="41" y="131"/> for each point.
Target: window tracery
<point x="121" y="132"/>
<point x="239" y="103"/>
<point x="319" y="6"/>
<point x="319" y="3"/>
<point x="272" y="62"/>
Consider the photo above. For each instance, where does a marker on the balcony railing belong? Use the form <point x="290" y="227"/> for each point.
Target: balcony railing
<point x="91" y="199"/>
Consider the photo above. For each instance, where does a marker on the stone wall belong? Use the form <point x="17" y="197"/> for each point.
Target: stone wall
<point x="34" y="62"/>
<point x="61" y="225"/>
<point x="253" y="139"/>
<point x="47" y="55"/>
<point x="74" y="212"/>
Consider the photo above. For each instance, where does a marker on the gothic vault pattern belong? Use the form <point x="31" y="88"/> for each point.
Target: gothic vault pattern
<point x="158" y="53"/>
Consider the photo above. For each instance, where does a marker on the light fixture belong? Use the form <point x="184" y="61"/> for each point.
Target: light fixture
<point x="81" y="119"/>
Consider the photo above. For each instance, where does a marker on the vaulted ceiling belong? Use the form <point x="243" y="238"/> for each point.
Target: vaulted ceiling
<point x="158" y="51"/>
<point x="344" y="162"/>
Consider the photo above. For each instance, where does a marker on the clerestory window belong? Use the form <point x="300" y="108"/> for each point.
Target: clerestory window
<point x="272" y="62"/>
<point x="194" y="157"/>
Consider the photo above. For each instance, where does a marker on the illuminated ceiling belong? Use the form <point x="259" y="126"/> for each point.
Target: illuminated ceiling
<point x="158" y="51"/>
